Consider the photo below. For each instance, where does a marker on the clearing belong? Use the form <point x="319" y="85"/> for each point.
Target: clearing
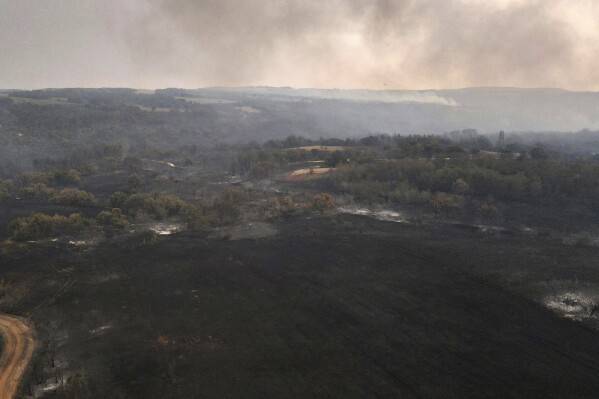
<point x="306" y="173"/>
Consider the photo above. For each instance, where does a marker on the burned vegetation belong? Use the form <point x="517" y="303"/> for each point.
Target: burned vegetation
<point x="177" y="245"/>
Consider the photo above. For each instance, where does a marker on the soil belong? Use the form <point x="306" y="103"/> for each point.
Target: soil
<point x="17" y="350"/>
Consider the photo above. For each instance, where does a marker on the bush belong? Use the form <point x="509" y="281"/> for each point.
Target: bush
<point x="196" y="217"/>
<point x="443" y="202"/>
<point x="36" y="190"/>
<point x="117" y="199"/>
<point x="6" y="185"/>
<point x="113" y="220"/>
<point x="5" y="189"/>
<point x="335" y="158"/>
<point x="40" y="225"/>
<point x="73" y="197"/>
<point x="34" y="177"/>
<point x="71" y="176"/>
<point x="460" y="186"/>
<point x="407" y="194"/>
<point x="158" y="206"/>
<point x="134" y="182"/>
<point x="263" y="169"/>
<point x="227" y="209"/>
<point x="489" y="212"/>
<point x="323" y="202"/>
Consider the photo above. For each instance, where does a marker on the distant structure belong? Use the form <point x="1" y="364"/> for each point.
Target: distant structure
<point x="501" y="141"/>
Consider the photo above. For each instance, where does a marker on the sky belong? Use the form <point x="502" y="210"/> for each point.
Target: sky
<point x="372" y="44"/>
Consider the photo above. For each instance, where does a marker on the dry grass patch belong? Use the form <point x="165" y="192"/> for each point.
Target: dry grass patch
<point x="306" y="173"/>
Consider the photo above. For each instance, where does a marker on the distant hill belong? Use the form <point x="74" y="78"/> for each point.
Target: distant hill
<point x="428" y="111"/>
<point x="54" y="122"/>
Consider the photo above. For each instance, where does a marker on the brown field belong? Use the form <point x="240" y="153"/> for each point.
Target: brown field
<point x="306" y="173"/>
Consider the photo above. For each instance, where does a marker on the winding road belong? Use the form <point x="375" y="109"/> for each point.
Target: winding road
<point x="17" y="349"/>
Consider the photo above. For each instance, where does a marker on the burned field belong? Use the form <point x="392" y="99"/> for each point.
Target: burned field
<point x="160" y="255"/>
<point x="330" y="306"/>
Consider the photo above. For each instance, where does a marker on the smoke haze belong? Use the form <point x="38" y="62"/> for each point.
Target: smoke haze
<point x="380" y="44"/>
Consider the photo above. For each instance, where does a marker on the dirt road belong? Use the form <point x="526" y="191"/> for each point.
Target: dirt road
<point x="17" y="350"/>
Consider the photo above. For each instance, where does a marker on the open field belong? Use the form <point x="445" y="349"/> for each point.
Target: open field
<point x="306" y="173"/>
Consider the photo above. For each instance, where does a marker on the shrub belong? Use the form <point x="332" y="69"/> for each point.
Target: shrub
<point x="335" y="158"/>
<point x="227" y="210"/>
<point x="460" y="186"/>
<point x="76" y="223"/>
<point x="158" y="206"/>
<point x="33" y="177"/>
<point x="117" y="199"/>
<point x="196" y="217"/>
<point x="73" y="197"/>
<point x="323" y="202"/>
<point x="40" y="225"/>
<point x="36" y="190"/>
<point x="71" y="176"/>
<point x="263" y="169"/>
<point x="489" y="212"/>
<point x="444" y="202"/>
<point x="170" y="204"/>
<point x="5" y="189"/>
<point x="6" y="185"/>
<point x="113" y="220"/>
<point x="134" y="182"/>
<point x="407" y="194"/>
<point x="88" y="169"/>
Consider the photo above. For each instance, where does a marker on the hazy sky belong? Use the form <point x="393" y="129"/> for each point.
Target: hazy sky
<point x="403" y="44"/>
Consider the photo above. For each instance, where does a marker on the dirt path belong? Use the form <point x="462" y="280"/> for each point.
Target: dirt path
<point x="17" y="350"/>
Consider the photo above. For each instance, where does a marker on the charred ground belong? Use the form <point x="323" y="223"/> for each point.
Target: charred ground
<point x="155" y="260"/>
<point x="320" y="309"/>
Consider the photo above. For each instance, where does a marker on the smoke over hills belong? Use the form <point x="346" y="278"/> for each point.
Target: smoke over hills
<point x="415" y="44"/>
